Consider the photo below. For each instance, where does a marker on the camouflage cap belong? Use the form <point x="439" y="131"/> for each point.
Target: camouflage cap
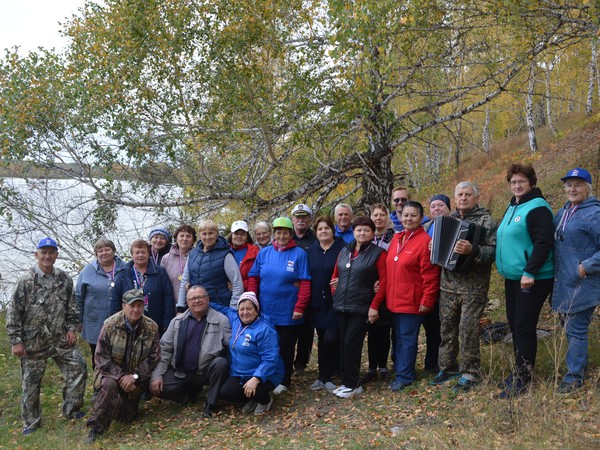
<point x="133" y="295"/>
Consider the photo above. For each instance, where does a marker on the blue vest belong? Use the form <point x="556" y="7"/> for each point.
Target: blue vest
<point x="208" y="270"/>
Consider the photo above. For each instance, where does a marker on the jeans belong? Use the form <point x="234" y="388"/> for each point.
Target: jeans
<point x="576" y="328"/>
<point x="407" y="339"/>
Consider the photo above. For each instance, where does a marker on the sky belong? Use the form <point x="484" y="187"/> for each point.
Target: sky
<point x="33" y="23"/>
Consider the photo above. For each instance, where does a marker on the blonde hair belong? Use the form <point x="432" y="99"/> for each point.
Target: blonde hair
<point x="207" y="225"/>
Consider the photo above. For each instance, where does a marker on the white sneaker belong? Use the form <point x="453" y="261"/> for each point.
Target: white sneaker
<point x="261" y="409"/>
<point x="349" y="393"/>
<point x="279" y="389"/>
<point x="318" y="384"/>
<point x="330" y="386"/>
<point x="249" y="407"/>
<point x="341" y="388"/>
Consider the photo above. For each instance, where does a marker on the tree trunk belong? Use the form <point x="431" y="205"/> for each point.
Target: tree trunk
<point x="486" y="131"/>
<point x="378" y="178"/>
<point x="592" y="80"/>
<point x="549" y="113"/>
<point x="572" y="93"/>
<point x="529" y="113"/>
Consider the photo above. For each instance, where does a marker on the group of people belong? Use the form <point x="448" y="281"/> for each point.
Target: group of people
<point x="238" y="314"/>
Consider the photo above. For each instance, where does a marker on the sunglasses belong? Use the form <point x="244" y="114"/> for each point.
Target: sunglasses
<point x="400" y="200"/>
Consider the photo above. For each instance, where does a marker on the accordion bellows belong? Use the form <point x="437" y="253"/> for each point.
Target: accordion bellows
<point x="447" y="231"/>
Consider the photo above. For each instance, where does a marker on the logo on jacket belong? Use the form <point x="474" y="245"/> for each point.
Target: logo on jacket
<point x="247" y="339"/>
<point x="517" y="219"/>
<point x="290" y="266"/>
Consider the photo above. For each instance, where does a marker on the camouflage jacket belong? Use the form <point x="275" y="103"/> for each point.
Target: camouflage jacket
<point x="114" y="358"/>
<point x="477" y="280"/>
<point x="40" y="314"/>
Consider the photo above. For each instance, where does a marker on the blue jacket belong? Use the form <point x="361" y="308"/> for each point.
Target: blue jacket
<point x="321" y="264"/>
<point x="398" y="227"/>
<point x="160" y="306"/>
<point x="577" y="241"/>
<point x="347" y="236"/>
<point x="93" y="291"/>
<point x="278" y="272"/>
<point x="254" y="349"/>
<point x="524" y="239"/>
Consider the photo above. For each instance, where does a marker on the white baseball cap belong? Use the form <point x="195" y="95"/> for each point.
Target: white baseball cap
<point x="239" y="225"/>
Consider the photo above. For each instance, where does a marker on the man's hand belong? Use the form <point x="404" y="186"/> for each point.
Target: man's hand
<point x="463" y="247"/>
<point x="127" y="383"/>
<point x="18" y="350"/>
<point x="71" y="338"/>
<point x="156" y="387"/>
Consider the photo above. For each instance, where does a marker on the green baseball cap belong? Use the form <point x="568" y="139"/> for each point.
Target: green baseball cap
<point x="133" y="295"/>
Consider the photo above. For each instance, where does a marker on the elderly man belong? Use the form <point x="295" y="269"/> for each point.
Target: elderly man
<point x="40" y="323"/>
<point x="127" y="352"/>
<point x="301" y="218"/>
<point x="192" y="353"/>
<point x="304" y="237"/>
<point x="343" y="222"/>
<point x="463" y="296"/>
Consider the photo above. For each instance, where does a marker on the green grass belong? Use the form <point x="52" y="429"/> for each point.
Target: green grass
<point x="422" y="416"/>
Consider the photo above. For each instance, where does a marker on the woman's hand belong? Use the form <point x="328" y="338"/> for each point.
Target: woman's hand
<point x="297" y="315"/>
<point x="334" y="283"/>
<point x="581" y="271"/>
<point x="373" y="315"/>
<point x="527" y="282"/>
<point x="425" y="309"/>
<point x="250" y="387"/>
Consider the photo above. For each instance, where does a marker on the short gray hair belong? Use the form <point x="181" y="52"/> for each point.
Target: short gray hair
<point x="343" y="205"/>
<point x="262" y="224"/>
<point x="466" y="184"/>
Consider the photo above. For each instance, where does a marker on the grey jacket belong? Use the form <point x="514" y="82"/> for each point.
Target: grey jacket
<point x="214" y="342"/>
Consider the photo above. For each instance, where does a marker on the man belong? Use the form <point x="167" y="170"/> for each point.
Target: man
<point x="304" y="237"/>
<point x="40" y="323"/>
<point x="463" y="297"/>
<point x="400" y="196"/>
<point x="192" y="353"/>
<point x="126" y="353"/>
<point x="343" y="219"/>
<point x="301" y="218"/>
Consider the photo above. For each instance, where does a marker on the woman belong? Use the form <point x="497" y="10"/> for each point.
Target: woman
<point x="142" y="273"/>
<point x="577" y="284"/>
<point x="359" y="266"/>
<point x="524" y="243"/>
<point x="280" y="276"/>
<point x="160" y="241"/>
<point x="322" y="256"/>
<point x="244" y="250"/>
<point x="211" y="265"/>
<point x="256" y="367"/>
<point x="379" y="333"/>
<point x="93" y="290"/>
<point x="262" y="234"/>
<point x="439" y="206"/>
<point x="174" y="262"/>
<point x="413" y="285"/>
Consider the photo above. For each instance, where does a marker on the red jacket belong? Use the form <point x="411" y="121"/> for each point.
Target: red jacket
<point x="247" y="263"/>
<point x="411" y="280"/>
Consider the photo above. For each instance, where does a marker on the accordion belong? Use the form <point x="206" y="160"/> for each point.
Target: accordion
<point x="447" y="231"/>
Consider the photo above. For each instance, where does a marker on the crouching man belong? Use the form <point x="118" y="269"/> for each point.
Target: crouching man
<point x="192" y="353"/>
<point x="127" y="352"/>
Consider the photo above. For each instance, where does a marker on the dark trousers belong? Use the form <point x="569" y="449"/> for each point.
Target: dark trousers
<point x="378" y="345"/>
<point x="113" y="403"/>
<point x="523" y="311"/>
<point x="407" y="343"/>
<point x="288" y="336"/>
<point x="306" y="338"/>
<point x="93" y="350"/>
<point x="353" y="328"/>
<point x="233" y="391"/>
<point x="179" y="384"/>
<point x="431" y="324"/>
<point x="328" y="347"/>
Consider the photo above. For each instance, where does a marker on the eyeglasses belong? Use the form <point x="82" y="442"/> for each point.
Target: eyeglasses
<point x="519" y="182"/>
<point x="400" y="200"/>
<point x="197" y="298"/>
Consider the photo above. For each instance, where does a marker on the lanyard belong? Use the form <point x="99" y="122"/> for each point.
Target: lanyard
<point x="400" y="247"/>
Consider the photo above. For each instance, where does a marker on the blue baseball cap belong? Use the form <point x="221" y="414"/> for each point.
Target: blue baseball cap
<point x="47" y="242"/>
<point x="578" y="172"/>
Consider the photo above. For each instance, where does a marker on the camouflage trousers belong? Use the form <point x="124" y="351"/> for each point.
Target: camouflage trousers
<point x="71" y="363"/>
<point x="114" y="403"/>
<point x="459" y="330"/>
